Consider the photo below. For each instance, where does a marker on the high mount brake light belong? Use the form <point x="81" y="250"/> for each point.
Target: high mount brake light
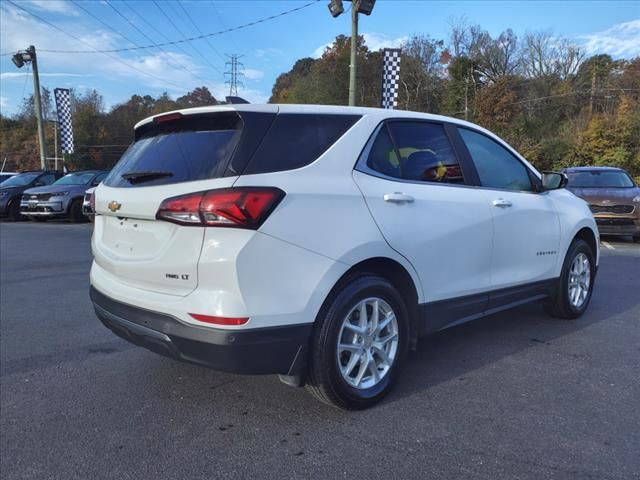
<point x="167" y="117"/>
<point x="241" y="207"/>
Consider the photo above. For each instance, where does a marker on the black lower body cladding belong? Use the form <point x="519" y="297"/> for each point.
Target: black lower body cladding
<point x="280" y="350"/>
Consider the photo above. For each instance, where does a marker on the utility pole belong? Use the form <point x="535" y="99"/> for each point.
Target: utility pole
<point x="336" y="8"/>
<point x="235" y="71"/>
<point x="19" y="59"/>
<point x="594" y="69"/>
<point x="354" y="43"/>
<point x="466" y="99"/>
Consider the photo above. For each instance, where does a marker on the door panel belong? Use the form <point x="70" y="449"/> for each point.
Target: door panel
<point x="444" y="231"/>
<point x="526" y="237"/>
<point x="525" y="223"/>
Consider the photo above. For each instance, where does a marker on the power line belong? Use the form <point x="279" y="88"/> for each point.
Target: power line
<point x="188" y="15"/>
<point x="181" y="33"/>
<point x="93" y="50"/>
<point x="169" y="58"/>
<point x="155" y="29"/>
<point x="96" y="18"/>
<point x="174" y="42"/>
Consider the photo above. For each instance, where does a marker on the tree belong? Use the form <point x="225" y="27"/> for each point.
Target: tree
<point x="199" y="97"/>
<point x="497" y="57"/>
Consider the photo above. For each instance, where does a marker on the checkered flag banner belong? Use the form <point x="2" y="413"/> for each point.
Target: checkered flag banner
<point x="63" y="106"/>
<point x="390" y="77"/>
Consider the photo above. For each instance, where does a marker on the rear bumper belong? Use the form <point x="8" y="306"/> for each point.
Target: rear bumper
<point x="270" y="350"/>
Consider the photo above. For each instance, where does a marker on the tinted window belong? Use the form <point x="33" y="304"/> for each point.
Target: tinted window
<point x="99" y="178"/>
<point x="383" y="157"/>
<point x="184" y="150"/>
<point x="425" y="153"/>
<point x="599" y="179"/>
<point x="496" y="166"/>
<point x="47" y="179"/>
<point x="296" y="140"/>
<point x="20" y="180"/>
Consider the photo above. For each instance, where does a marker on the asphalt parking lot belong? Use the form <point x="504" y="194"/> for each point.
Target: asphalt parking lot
<point x="518" y="395"/>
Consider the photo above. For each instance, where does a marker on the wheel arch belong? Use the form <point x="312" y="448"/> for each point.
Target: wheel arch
<point x="72" y="200"/>
<point x="589" y="236"/>
<point x="396" y="273"/>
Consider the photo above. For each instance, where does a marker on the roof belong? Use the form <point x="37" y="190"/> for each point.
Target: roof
<point x="591" y="169"/>
<point x="375" y="114"/>
<point x="379" y="113"/>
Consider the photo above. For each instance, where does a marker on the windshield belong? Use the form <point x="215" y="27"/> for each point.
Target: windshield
<point x="5" y="176"/>
<point x="600" y="179"/>
<point x="20" y="180"/>
<point x="75" y="179"/>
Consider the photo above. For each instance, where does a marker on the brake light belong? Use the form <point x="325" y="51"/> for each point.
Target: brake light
<point x="219" y="320"/>
<point x="92" y="201"/>
<point x="167" y="117"/>
<point x="241" y="207"/>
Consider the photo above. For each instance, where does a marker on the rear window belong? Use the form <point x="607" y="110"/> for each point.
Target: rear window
<point x="296" y="140"/>
<point x="182" y="150"/>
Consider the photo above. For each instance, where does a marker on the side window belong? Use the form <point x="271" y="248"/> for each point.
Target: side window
<point x="382" y="157"/>
<point x="496" y="166"/>
<point x="423" y="153"/>
<point x="298" y="139"/>
<point x="98" y="179"/>
<point x="47" y="179"/>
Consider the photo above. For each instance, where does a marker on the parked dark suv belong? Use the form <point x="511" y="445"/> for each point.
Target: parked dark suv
<point x="612" y="195"/>
<point x="11" y="190"/>
<point x="62" y="199"/>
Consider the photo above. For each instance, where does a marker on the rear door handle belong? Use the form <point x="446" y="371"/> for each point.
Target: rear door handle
<point x="398" y="197"/>
<point x="501" y="202"/>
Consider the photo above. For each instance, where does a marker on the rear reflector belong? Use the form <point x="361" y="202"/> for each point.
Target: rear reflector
<point x="219" y="320"/>
<point x="242" y="207"/>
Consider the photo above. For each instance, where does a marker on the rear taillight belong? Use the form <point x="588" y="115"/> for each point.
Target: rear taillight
<point x="92" y="201"/>
<point x="242" y="207"/>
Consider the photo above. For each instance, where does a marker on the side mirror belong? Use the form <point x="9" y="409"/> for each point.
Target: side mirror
<point x="40" y="184"/>
<point x="553" y="181"/>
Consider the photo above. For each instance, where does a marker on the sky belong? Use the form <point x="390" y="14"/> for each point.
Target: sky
<point x="268" y="48"/>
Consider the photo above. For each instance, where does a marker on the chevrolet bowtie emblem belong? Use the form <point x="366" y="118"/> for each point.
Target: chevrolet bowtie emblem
<point x="114" y="206"/>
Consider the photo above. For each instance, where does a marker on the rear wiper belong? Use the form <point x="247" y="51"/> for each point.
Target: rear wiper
<point x="137" y="177"/>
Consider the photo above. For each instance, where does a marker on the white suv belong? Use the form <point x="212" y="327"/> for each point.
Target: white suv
<point x="319" y="243"/>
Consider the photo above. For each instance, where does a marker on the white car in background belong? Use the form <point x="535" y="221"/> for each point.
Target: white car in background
<point x="319" y="243"/>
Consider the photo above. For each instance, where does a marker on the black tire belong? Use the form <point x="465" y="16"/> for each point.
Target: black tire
<point x="559" y="305"/>
<point x="13" y="210"/>
<point x="324" y="379"/>
<point x="75" y="211"/>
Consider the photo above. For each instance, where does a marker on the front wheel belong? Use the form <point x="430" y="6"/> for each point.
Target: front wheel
<point x="359" y="341"/>
<point x="13" y="211"/>
<point x="75" y="212"/>
<point x="573" y="292"/>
